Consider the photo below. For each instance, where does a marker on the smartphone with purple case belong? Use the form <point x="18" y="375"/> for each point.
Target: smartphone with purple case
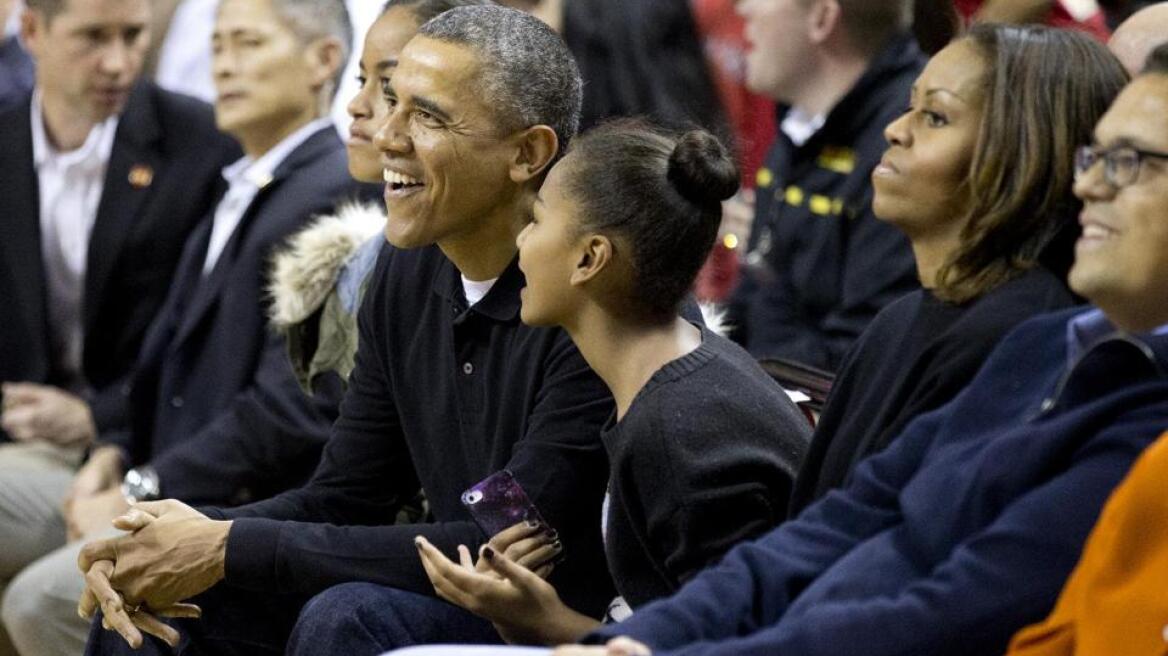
<point x="498" y="502"/>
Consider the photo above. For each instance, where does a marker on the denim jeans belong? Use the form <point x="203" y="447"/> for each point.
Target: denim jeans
<point x="235" y="622"/>
<point x="365" y="619"/>
<point x="351" y="619"/>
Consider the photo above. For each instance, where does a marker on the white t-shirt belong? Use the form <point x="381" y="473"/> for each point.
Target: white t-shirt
<point x="475" y="290"/>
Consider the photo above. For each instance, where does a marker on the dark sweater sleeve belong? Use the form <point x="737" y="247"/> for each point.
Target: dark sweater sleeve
<point x="341" y="526"/>
<point x="751" y="588"/>
<point x="1011" y="569"/>
<point x="726" y="497"/>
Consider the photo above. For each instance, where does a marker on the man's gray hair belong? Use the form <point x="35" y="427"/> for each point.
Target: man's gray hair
<point x="319" y="19"/>
<point x="528" y="74"/>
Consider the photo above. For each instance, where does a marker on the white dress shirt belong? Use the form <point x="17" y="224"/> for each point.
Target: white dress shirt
<point x="245" y="177"/>
<point x="70" y="185"/>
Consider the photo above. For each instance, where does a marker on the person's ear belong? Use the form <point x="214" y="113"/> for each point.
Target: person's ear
<point x="325" y="59"/>
<point x="823" y="19"/>
<point x="535" y="149"/>
<point x="32" y="28"/>
<point x="595" y="255"/>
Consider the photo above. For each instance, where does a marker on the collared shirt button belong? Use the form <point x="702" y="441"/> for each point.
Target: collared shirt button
<point x="467" y="368"/>
<point x="1047" y="404"/>
<point x="176" y="402"/>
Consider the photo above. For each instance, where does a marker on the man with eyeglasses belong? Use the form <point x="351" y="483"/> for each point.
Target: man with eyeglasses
<point x="965" y="529"/>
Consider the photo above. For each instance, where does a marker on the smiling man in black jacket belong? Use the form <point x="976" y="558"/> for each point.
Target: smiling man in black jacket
<point x="449" y="386"/>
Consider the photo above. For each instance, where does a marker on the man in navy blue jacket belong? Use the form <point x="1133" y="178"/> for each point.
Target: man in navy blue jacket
<point x="965" y="529"/>
<point x="821" y="264"/>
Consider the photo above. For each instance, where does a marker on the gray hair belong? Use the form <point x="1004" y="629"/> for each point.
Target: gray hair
<point x="528" y="73"/>
<point x="319" y="19"/>
<point x="424" y="10"/>
<point x="50" y="8"/>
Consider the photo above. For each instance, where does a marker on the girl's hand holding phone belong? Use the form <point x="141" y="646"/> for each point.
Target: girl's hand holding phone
<point x="498" y="587"/>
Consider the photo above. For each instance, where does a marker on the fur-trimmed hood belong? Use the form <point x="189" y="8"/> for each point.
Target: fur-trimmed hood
<point x="306" y="270"/>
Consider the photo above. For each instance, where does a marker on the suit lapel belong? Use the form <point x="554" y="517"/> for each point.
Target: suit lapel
<point x="207" y="293"/>
<point x="20" y="239"/>
<point x="134" y="165"/>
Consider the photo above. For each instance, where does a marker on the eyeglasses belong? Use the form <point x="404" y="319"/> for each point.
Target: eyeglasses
<point x="1121" y="165"/>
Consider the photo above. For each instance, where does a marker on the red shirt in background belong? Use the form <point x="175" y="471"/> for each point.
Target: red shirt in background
<point x="751" y="117"/>
<point x="1093" y="23"/>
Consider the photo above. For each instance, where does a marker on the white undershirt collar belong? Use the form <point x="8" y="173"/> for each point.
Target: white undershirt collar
<point x="476" y="290"/>
<point x="799" y="126"/>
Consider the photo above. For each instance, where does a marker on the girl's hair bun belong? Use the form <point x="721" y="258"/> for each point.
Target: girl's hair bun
<point x="701" y="169"/>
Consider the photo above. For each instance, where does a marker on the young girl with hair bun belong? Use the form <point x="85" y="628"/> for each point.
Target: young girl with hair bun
<point x="703" y="445"/>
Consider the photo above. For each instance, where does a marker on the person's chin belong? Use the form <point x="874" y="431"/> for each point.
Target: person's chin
<point x="228" y="122"/>
<point x="1084" y="276"/>
<point x="528" y="313"/>
<point x="402" y="236"/>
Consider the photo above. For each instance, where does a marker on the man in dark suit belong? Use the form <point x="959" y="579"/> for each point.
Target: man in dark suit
<point x="102" y="178"/>
<point x="215" y="414"/>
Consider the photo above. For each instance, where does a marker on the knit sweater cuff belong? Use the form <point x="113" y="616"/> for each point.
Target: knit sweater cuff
<point x="252" y="546"/>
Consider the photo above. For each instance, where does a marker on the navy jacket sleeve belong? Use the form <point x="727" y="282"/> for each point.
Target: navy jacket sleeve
<point x="340" y="526"/>
<point x="269" y="427"/>
<point x="1012" y="568"/>
<point x="110" y="407"/>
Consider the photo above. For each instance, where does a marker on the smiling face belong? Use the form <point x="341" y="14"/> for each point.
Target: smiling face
<point x="383" y="44"/>
<point x="919" y="185"/>
<point x="268" y="81"/>
<point x="445" y="154"/>
<point x="548" y="251"/>
<point x="1121" y="259"/>
<point x="88" y="54"/>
